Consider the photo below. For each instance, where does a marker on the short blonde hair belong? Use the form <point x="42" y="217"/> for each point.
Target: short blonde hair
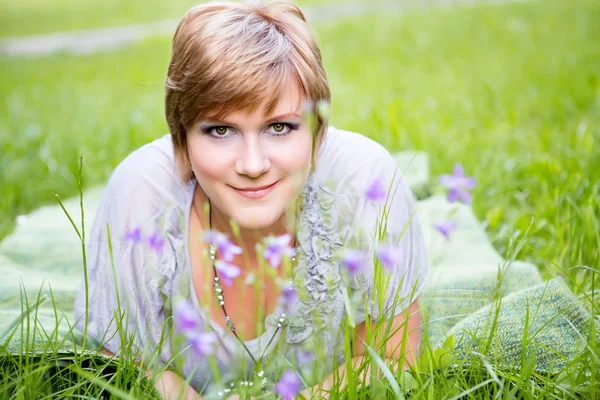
<point x="230" y="57"/>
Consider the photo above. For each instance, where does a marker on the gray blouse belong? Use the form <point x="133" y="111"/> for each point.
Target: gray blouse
<point x="144" y="191"/>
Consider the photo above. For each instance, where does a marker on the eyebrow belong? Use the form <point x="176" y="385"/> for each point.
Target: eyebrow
<point x="283" y="116"/>
<point x="267" y="122"/>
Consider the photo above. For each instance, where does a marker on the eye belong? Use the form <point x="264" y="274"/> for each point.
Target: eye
<point x="221" y="130"/>
<point x="279" y="129"/>
<point x="218" y="131"/>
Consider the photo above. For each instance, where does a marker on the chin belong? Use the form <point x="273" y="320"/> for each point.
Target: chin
<point x="256" y="217"/>
<point x="247" y="222"/>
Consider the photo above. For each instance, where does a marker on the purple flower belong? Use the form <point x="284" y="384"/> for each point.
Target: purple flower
<point x="305" y="357"/>
<point x="227" y="250"/>
<point x="228" y="272"/>
<point x="376" y="192"/>
<point x="289" y="293"/>
<point x="186" y="319"/>
<point x="134" y="235"/>
<point x="289" y="296"/>
<point x="203" y="343"/>
<point x="156" y="242"/>
<point x="458" y="185"/>
<point x="277" y="247"/>
<point x="354" y="259"/>
<point x="389" y="256"/>
<point x="445" y="228"/>
<point x="289" y="385"/>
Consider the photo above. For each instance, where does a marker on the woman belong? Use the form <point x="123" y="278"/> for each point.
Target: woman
<point x="249" y="156"/>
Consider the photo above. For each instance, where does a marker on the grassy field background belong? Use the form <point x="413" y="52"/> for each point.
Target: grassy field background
<point x="32" y="17"/>
<point x="511" y="91"/>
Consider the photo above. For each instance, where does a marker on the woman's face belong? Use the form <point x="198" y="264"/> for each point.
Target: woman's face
<point x="253" y="166"/>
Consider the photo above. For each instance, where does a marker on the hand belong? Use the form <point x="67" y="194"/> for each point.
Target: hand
<point x="170" y="386"/>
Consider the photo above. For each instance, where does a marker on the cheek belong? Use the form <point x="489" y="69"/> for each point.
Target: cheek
<point x="208" y="160"/>
<point x="295" y="161"/>
<point x="296" y="155"/>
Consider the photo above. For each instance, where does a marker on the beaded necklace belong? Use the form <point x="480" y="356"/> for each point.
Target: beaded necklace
<point x="282" y="320"/>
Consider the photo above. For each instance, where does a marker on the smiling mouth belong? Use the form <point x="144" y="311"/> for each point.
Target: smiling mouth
<point x="257" y="192"/>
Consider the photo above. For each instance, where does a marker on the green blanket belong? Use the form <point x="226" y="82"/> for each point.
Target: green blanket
<point x="471" y="292"/>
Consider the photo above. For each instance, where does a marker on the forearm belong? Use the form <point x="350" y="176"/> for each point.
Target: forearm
<point x="339" y="377"/>
<point x="401" y="349"/>
<point x="172" y="387"/>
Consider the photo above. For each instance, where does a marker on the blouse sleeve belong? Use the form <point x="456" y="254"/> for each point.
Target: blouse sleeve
<point x="390" y="224"/>
<point x="397" y="262"/>
<point x="126" y="291"/>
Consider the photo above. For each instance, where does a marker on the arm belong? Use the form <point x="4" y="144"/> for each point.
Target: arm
<point x="170" y="385"/>
<point x="408" y="320"/>
<point x="126" y="278"/>
<point x="398" y="218"/>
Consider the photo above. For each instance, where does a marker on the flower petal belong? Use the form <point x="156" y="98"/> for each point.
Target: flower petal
<point x="276" y="248"/>
<point x="376" y="192"/>
<point x="275" y="260"/>
<point x="465" y="197"/>
<point x="389" y="256"/>
<point x="469" y="182"/>
<point x="453" y="195"/>
<point x="458" y="170"/>
<point x="354" y="260"/>
<point x="289" y="385"/>
<point x="186" y="319"/>
<point x="156" y="242"/>
<point x="445" y="228"/>
<point x="228" y="271"/>
<point x="203" y="343"/>
<point x="448" y="181"/>
<point x="134" y="235"/>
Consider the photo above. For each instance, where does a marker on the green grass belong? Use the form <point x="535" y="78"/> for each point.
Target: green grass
<point x="509" y="91"/>
<point x="32" y="17"/>
<point x="512" y="92"/>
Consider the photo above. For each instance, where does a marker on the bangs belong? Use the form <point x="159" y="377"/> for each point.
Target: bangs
<point x="262" y="88"/>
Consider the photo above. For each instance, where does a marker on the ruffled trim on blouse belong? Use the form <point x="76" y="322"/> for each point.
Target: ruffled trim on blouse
<point x="317" y="276"/>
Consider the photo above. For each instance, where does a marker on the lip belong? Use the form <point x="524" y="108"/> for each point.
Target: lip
<point x="257" y="193"/>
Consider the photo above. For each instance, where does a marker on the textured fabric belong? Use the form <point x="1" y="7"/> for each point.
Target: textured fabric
<point x="485" y="302"/>
<point x="144" y="192"/>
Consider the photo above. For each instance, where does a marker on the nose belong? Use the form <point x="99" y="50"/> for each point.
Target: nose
<point x="251" y="160"/>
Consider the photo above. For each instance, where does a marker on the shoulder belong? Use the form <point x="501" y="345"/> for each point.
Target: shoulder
<point x="348" y="165"/>
<point x="143" y="191"/>
<point x="148" y="173"/>
<point x="152" y="160"/>
<point x="349" y="161"/>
